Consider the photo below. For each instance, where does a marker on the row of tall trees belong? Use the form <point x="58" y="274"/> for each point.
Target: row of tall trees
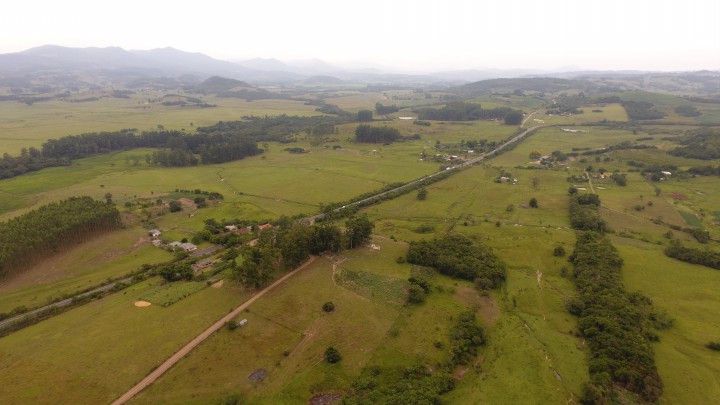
<point x="619" y="326"/>
<point x="370" y="134"/>
<point x="462" y="111"/>
<point x="37" y="233"/>
<point x="692" y="255"/>
<point x="616" y="324"/>
<point x="703" y="143"/>
<point x="222" y="142"/>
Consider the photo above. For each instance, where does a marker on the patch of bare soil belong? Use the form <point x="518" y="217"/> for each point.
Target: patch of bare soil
<point x="142" y="304"/>
<point x="678" y="196"/>
<point x="258" y="375"/>
<point x="325" y="398"/>
<point x="187" y="203"/>
<point x="487" y="308"/>
<point x="218" y="284"/>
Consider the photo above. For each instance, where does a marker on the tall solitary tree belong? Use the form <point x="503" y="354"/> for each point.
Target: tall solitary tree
<point x="358" y="230"/>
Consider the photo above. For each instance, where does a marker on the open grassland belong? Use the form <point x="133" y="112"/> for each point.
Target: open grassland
<point x="356" y="101"/>
<point x="93" y="353"/>
<point x="277" y="178"/>
<point x="532" y="354"/>
<point x="590" y="113"/>
<point x="526" y="103"/>
<point x="24" y="125"/>
<point x="78" y="267"/>
<point x="710" y="112"/>
<point x="690" y="371"/>
<point x="265" y="186"/>
<point x="547" y="140"/>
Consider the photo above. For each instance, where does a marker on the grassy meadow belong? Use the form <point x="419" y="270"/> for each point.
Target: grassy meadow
<point x="23" y="125"/>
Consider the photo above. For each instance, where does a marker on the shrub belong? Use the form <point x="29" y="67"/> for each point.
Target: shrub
<point x="175" y="206"/>
<point x="713" y="346"/>
<point x="332" y="355"/>
<point x="416" y="295"/>
<point x="533" y="202"/>
<point x="328" y="306"/>
<point x="559" y="251"/>
<point x="460" y="257"/>
<point x="465" y="338"/>
<point x="422" y="194"/>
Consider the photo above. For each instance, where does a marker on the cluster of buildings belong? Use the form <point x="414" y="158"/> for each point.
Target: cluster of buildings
<point x="186" y="246"/>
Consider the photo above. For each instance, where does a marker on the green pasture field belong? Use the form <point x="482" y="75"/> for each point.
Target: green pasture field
<point x="689" y="295"/>
<point x="609" y="112"/>
<point x="79" y="267"/>
<point x="94" y="353"/>
<point x="710" y="112"/>
<point x="532" y="354"/>
<point x="299" y="181"/>
<point x="356" y="101"/>
<point x="24" y="125"/>
<point x="547" y="140"/>
<point x="525" y="103"/>
<point x="368" y="329"/>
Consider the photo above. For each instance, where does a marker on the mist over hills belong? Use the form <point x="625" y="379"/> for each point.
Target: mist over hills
<point x="172" y="67"/>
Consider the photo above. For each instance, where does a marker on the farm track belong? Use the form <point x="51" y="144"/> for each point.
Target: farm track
<point x="185" y="350"/>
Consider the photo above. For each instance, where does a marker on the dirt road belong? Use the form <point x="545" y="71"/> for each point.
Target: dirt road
<point x="167" y="364"/>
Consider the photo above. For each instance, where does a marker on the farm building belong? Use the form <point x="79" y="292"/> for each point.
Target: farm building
<point x="154" y="233"/>
<point x="202" y="264"/>
<point x="188" y="247"/>
<point x="231" y="228"/>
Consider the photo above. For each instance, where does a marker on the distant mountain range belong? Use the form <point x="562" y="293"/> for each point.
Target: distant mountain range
<point x="172" y="67"/>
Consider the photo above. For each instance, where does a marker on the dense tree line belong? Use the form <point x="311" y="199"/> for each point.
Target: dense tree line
<point x="687" y="110"/>
<point x="35" y="233"/>
<point x="584" y="212"/>
<point x="703" y="143"/>
<point x="222" y="142"/>
<point x="617" y="325"/>
<point x="365" y="115"/>
<point x="370" y="134"/>
<point x="692" y="255"/>
<point x="289" y="244"/>
<point x="460" y="257"/>
<point x="385" y="109"/>
<point x="705" y="171"/>
<point x="29" y="160"/>
<point x="462" y="111"/>
<point x="642" y="110"/>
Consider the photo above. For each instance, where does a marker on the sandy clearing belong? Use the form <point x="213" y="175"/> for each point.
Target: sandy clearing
<point x="218" y="284"/>
<point x="142" y="304"/>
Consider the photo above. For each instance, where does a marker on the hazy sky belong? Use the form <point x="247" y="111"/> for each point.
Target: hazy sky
<point x="419" y="35"/>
